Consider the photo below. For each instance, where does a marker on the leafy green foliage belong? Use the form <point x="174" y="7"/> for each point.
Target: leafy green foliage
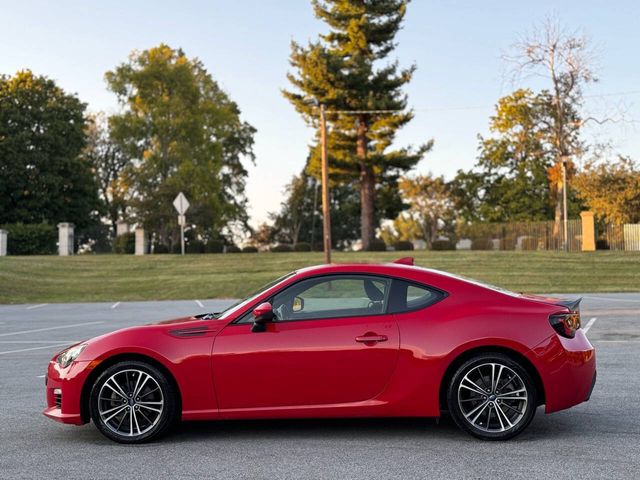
<point x="125" y="243"/>
<point x="611" y="190"/>
<point x="31" y="239"/>
<point x="184" y="134"/>
<point x="515" y="175"/>
<point x="109" y="163"/>
<point x="43" y="178"/>
<point x="343" y="71"/>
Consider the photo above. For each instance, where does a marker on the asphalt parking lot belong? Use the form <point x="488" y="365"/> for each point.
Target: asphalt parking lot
<point x="598" y="439"/>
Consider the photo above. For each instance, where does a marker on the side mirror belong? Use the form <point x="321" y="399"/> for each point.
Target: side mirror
<point x="262" y="315"/>
<point x="298" y="304"/>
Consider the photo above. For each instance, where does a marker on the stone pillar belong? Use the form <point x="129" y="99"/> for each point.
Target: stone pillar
<point x="588" y="232"/>
<point x="141" y="242"/>
<point x="121" y="228"/>
<point x="3" y="243"/>
<point x="65" y="239"/>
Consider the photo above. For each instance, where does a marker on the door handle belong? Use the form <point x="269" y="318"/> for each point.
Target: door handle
<point x="371" y="338"/>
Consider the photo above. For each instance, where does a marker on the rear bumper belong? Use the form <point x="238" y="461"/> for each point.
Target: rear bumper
<point x="567" y="368"/>
<point x="64" y="392"/>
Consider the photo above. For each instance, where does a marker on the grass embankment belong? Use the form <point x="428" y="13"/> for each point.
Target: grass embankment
<point x="94" y="278"/>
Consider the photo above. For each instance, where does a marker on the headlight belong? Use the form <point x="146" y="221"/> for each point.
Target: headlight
<point x="70" y="354"/>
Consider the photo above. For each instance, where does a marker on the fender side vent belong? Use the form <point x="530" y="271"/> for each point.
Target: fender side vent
<point x="189" y="332"/>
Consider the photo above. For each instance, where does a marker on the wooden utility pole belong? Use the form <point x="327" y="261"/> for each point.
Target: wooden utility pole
<point x="565" y="225"/>
<point x="326" y="216"/>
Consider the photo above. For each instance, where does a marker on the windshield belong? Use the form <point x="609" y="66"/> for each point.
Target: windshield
<point x="240" y="304"/>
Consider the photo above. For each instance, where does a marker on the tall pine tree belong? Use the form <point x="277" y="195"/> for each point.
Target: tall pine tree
<point x="346" y="70"/>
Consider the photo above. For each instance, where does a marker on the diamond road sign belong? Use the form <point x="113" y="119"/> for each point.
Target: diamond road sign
<point x="181" y="203"/>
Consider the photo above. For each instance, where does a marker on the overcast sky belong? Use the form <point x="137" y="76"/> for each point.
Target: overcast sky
<point x="245" y="44"/>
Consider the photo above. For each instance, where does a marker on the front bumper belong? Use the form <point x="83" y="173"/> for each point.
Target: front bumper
<point x="567" y="368"/>
<point x="64" y="392"/>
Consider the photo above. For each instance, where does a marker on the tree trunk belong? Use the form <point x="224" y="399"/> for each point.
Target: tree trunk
<point x="367" y="187"/>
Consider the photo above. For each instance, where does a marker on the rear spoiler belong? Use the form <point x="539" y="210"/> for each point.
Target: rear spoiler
<point x="572" y="305"/>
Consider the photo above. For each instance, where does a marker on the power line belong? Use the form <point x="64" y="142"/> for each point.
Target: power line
<point x="460" y="108"/>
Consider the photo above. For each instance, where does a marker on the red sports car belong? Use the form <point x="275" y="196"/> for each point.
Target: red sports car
<point x="390" y="340"/>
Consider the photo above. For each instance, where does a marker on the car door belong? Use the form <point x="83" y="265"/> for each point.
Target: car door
<point x="332" y="342"/>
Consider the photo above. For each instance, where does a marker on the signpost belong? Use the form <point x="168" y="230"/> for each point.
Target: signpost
<point x="182" y="204"/>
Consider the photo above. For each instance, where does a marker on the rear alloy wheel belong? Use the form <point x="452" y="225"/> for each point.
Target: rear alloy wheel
<point x="133" y="402"/>
<point x="492" y="397"/>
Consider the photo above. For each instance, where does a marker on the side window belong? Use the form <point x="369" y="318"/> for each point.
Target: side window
<point x="333" y="296"/>
<point x="407" y="296"/>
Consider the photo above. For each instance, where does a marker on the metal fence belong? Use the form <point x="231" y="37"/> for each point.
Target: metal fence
<point x="544" y="235"/>
<point x="620" y="237"/>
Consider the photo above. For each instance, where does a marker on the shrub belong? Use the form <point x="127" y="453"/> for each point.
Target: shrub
<point x="443" y="245"/>
<point x="233" y="249"/>
<point x="31" y="239"/>
<point x="302" y="247"/>
<point x="403" y="245"/>
<point x="125" y="243"/>
<point x="281" y="247"/>
<point x="214" y="246"/>
<point x="377" y="246"/>
<point x="194" y="246"/>
<point x="160" y="248"/>
<point x="249" y="249"/>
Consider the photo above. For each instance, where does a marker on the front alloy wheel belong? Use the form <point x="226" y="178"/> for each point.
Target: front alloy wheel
<point x="492" y="397"/>
<point x="132" y="402"/>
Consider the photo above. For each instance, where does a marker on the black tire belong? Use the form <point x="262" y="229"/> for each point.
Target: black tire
<point x="156" y="411"/>
<point x="500" y="413"/>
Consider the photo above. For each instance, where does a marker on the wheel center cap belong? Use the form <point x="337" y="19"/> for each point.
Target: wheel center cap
<point x="132" y="402"/>
<point x="492" y="398"/>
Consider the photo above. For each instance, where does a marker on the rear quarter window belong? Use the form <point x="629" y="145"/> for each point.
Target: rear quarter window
<point x="407" y="296"/>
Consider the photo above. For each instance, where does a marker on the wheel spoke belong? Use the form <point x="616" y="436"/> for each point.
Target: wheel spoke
<point x="135" y="419"/>
<point x="500" y="411"/>
<point x="475" y="409"/>
<point x="105" y="420"/>
<point x="506" y="394"/>
<point x="151" y="408"/>
<point x="495" y="387"/>
<point x="478" y="414"/>
<point x="475" y="387"/>
<point x="107" y="384"/>
<point x="137" y="390"/>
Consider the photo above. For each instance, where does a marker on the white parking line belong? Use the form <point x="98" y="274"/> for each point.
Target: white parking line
<point x="36" y="341"/>
<point x="31" y="307"/>
<point x="41" y="376"/>
<point x="613" y="299"/>
<point x="115" y="305"/>
<point x="49" y="328"/>
<point x="590" y="324"/>
<point x="34" y="348"/>
<point x="199" y="303"/>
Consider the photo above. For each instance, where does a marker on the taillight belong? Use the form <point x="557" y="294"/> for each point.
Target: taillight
<point x="566" y="324"/>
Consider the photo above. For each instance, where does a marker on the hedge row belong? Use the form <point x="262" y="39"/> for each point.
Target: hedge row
<point x="31" y="239"/>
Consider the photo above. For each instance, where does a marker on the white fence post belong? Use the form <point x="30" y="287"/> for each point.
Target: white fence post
<point x="141" y="242"/>
<point x="3" y="243"/>
<point x="65" y="239"/>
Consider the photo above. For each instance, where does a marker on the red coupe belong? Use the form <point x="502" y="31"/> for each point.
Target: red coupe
<point x="390" y="340"/>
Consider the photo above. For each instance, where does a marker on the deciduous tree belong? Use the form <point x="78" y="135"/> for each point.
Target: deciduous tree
<point x="611" y="190"/>
<point x="43" y="177"/>
<point x="183" y="133"/>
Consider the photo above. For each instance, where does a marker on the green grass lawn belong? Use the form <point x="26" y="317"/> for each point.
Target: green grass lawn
<point x="92" y="278"/>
